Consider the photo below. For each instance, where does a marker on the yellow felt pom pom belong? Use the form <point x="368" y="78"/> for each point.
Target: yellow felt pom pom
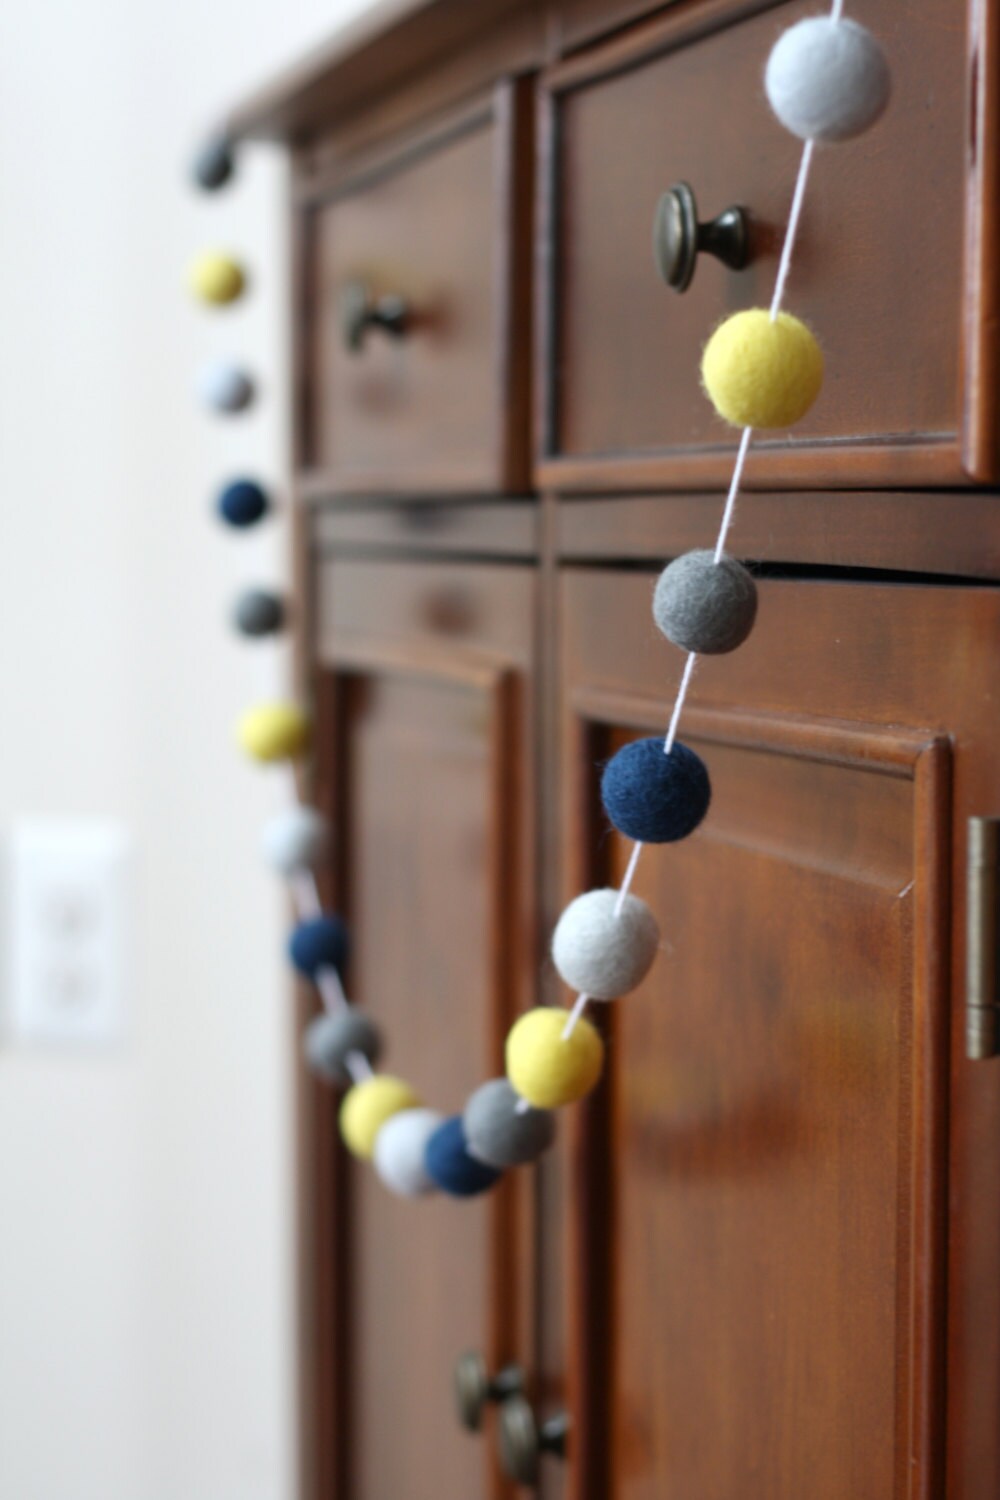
<point x="216" y="278"/>
<point x="366" y="1108"/>
<point x="544" y="1068"/>
<point x="273" y="731"/>
<point x="762" y="374"/>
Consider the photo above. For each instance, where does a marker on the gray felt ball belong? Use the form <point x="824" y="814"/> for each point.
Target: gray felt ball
<point x="827" y="79"/>
<point x="329" y="1038"/>
<point x="601" y="954"/>
<point x="703" y="605"/>
<point x="258" y="612"/>
<point x="498" y="1134"/>
<point x="213" y="165"/>
<point x="225" y="387"/>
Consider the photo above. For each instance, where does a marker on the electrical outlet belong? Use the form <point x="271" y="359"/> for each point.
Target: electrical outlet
<point x="67" y="931"/>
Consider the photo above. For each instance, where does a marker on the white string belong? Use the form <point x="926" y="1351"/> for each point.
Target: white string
<point x="623" y="889"/>
<point x="735" y="484"/>
<point x="795" y="213"/>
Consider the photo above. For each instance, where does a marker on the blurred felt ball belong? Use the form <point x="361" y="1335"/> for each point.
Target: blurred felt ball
<point x="225" y="387"/>
<point x="295" y="840"/>
<point x="367" y="1106"/>
<point x="242" y="503"/>
<point x="319" y="943"/>
<point x="400" y="1149"/>
<point x="451" y="1166"/>
<point x="213" y="165"/>
<point x="273" y="731"/>
<point x="258" y="612"/>
<point x="547" y="1068"/>
<point x="216" y="278"/>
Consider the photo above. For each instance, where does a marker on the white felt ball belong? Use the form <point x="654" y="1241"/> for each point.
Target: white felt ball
<point x="601" y="954"/>
<point x="827" y="80"/>
<point x="224" y="387"/>
<point x="294" y="840"/>
<point x="399" y="1151"/>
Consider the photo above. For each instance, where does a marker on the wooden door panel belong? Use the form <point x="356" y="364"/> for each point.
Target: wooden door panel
<point x="760" y="1190"/>
<point x="423" y="729"/>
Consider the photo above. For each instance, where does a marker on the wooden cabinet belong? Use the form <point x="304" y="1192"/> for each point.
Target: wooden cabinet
<point x="763" y="1258"/>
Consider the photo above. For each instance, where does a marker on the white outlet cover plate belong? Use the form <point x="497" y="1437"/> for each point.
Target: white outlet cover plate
<point x="68" y="932"/>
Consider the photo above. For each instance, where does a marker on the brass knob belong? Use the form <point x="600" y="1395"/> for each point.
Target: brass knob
<point x="360" y="312"/>
<point x="523" y="1440"/>
<point x="678" y="238"/>
<point x="475" y="1390"/>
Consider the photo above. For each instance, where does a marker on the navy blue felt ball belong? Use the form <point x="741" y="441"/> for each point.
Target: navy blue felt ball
<point x="242" y="503"/>
<point x="655" y="798"/>
<point x="319" y="943"/>
<point x="447" y="1159"/>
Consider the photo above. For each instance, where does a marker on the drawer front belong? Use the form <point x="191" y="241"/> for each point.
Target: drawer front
<point x="878" y="272"/>
<point x="438" y="223"/>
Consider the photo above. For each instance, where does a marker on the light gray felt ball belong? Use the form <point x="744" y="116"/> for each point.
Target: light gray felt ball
<point x="600" y="954"/>
<point x="703" y="605"/>
<point x="329" y="1038"/>
<point x="294" y="840"/>
<point x="500" y="1136"/>
<point x="826" y="79"/>
<point x="258" y="612"/>
<point x="399" y="1151"/>
<point x="225" y="387"/>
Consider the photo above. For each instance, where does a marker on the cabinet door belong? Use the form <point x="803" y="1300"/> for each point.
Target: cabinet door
<point x="424" y="759"/>
<point x="759" y="1193"/>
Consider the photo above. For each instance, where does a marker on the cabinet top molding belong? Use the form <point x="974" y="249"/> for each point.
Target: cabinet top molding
<point x="394" y="42"/>
<point x="390" y="41"/>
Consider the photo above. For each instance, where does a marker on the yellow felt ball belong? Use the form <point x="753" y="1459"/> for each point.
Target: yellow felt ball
<point x="366" y="1108"/>
<point x="762" y="374"/>
<point x="273" y="731"/>
<point x="547" y="1069"/>
<point x="217" y="278"/>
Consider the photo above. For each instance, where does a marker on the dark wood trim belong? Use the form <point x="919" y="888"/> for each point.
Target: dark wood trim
<point x="430" y="528"/>
<point x="352" y="174"/>
<point x="945" y="532"/>
<point x="932" y="461"/>
<point x="981" y="305"/>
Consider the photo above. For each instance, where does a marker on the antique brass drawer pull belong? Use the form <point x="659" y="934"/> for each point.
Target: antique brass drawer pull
<point x="475" y="1389"/>
<point x="678" y="238"/>
<point x="360" y="312"/>
<point x="523" y="1440"/>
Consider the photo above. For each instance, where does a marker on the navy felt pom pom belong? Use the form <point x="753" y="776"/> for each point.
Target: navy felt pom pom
<point x="655" y="798"/>
<point x="448" y="1162"/>
<point x="242" y="503"/>
<point x="319" y="943"/>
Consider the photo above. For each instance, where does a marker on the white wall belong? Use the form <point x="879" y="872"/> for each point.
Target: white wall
<point x="146" y="1309"/>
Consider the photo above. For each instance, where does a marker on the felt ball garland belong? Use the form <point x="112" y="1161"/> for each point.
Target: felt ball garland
<point x="827" y="80"/>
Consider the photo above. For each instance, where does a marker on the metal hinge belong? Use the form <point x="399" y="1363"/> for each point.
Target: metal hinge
<point x="982" y="982"/>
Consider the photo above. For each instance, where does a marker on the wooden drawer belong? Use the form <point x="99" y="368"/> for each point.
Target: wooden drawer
<point x="438" y="221"/>
<point x="894" y="268"/>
